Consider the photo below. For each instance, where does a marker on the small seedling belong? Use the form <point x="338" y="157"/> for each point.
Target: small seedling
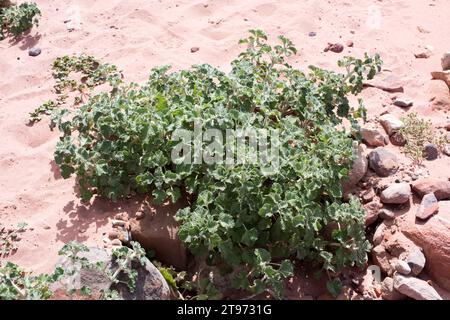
<point x="9" y="239"/>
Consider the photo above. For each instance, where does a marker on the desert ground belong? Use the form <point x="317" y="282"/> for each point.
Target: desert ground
<point x="137" y="35"/>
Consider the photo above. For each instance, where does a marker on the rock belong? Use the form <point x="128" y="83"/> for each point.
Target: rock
<point x="397" y="139"/>
<point x="334" y="47"/>
<point x="150" y="284"/>
<point x="403" y="102"/>
<point x="382" y="259"/>
<point x="431" y="151"/>
<point x="122" y="216"/>
<point x="422" y="29"/>
<point x="442" y="75"/>
<point x="445" y="61"/>
<point x="396" y="193"/>
<point x="388" y="292"/>
<point x="116" y="242"/>
<point x="359" y="168"/>
<point x="390" y="123"/>
<point x="372" y="210"/>
<point x="422" y="54"/>
<point x="439" y="95"/>
<point x="194" y="49"/>
<point x="416" y="260"/>
<point x="368" y="195"/>
<point x="402" y="267"/>
<point x="386" y="214"/>
<point x="158" y="231"/>
<point x="312" y="34"/>
<point x="447" y="149"/>
<point x="387" y="82"/>
<point x="380" y="231"/>
<point x="415" y="288"/>
<point x="428" y="206"/>
<point x="349" y="43"/>
<point x="34" y="52"/>
<point x="433" y="237"/>
<point x="372" y="137"/>
<point x="383" y="162"/>
<point x="440" y="188"/>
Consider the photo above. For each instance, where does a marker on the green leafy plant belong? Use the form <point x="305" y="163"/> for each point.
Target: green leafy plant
<point x="9" y="237"/>
<point x="418" y="132"/>
<point x="241" y="219"/>
<point x="92" y="73"/>
<point x="17" y="19"/>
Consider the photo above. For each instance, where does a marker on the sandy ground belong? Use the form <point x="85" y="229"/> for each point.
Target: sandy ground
<point x="137" y="35"/>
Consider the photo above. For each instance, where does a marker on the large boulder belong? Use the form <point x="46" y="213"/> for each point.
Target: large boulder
<point x="415" y="288"/>
<point x="383" y="162"/>
<point x="155" y="228"/>
<point x="440" y="188"/>
<point x="433" y="236"/>
<point x="150" y="284"/>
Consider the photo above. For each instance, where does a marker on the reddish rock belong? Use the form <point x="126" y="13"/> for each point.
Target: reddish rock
<point x="433" y="236"/>
<point x="440" y="188"/>
<point x="383" y="162"/>
<point x="428" y="206"/>
<point x="397" y="139"/>
<point x="194" y="49"/>
<point x="358" y="170"/>
<point x="396" y="193"/>
<point x="415" y="288"/>
<point x="373" y="137"/>
<point x="372" y="210"/>
<point x="349" y="43"/>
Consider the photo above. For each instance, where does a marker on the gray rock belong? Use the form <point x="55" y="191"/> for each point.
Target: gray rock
<point x="415" y="288"/>
<point x="388" y="292"/>
<point x="431" y="151"/>
<point x="402" y="267"/>
<point x="33" y="52"/>
<point x="150" y="284"/>
<point x="447" y="149"/>
<point x="386" y="214"/>
<point x="403" y="102"/>
<point x="428" y="206"/>
<point x="383" y="162"/>
<point x="416" y="260"/>
<point x="396" y="193"/>
<point x="373" y="137"/>
<point x="445" y="61"/>
<point x="312" y="34"/>
<point x="390" y="123"/>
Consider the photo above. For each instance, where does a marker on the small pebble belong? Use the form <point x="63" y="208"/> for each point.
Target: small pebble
<point x="349" y="43"/>
<point x="312" y="34"/>
<point x="403" y="102"/>
<point x="33" y="52"/>
<point x="194" y="49"/>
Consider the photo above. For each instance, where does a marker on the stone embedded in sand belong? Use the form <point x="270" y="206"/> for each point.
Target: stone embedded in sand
<point x="440" y="188"/>
<point x="390" y="123"/>
<point x="194" y="49"/>
<point x="431" y="151"/>
<point x="433" y="237"/>
<point x="334" y="47"/>
<point x="428" y="206"/>
<point x="312" y="34"/>
<point x="396" y="193"/>
<point x="445" y="61"/>
<point x="150" y="284"/>
<point x="403" y="102"/>
<point x="387" y="82"/>
<point x="378" y="236"/>
<point x="446" y="149"/>
<point x="383" y="162"/>
<point x="373" y="137"/>
<point x="415" y="288"/>
<point x="349" y="43"/>
<point x="33" y="52"/>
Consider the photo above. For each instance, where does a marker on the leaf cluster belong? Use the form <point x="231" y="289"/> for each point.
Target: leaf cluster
<point x="17" y="19"/>
<point x="240" y="217"/>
